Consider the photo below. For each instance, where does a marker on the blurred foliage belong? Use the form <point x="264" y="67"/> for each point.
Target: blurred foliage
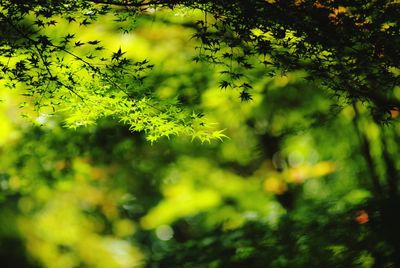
<point x="304" y="180"/>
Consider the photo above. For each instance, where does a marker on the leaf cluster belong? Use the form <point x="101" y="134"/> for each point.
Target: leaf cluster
<point x="350" y="47"/>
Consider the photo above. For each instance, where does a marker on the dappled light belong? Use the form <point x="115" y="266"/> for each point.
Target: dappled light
<point x="199" y="134"/>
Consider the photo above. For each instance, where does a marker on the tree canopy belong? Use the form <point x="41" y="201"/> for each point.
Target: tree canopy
<point x="295" y="105"/>
<point x="349" y="46"/>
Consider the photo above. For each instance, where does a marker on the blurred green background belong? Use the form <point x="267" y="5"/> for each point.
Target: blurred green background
<point x="292" y="186"/>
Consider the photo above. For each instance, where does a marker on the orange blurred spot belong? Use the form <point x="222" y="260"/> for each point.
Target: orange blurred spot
<point x="394" y="113"/>
<point x="362" y="217"/>
<point x="274" y="185"/>
<point x="298" y="174"/>
<point x="319" y="5"/>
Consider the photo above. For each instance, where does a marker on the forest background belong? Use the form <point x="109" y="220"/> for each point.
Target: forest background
<point x="199" y="134"/>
